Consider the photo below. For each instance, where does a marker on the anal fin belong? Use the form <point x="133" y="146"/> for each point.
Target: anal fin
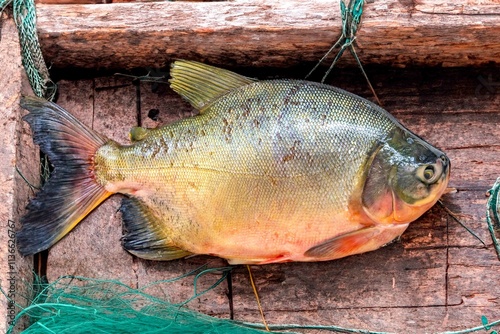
<point x="360" y="241"/>
<point x="143" y="233"/>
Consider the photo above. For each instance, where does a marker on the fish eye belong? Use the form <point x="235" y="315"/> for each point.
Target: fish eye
<point x="429" y="172"/>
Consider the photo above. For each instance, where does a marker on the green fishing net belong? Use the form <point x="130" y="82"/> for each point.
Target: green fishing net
<point x="493" y="215"/>
<point x="33" y="62"/>
<point x="78" y="305"/>
<point x="84" y="305"/>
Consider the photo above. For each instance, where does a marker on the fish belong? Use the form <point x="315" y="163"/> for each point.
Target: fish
<point x="269" y="171"/>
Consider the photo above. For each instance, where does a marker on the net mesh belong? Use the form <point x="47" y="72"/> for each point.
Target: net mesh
<point x="32" y="58"/>
<point x="85" y="305"/>
<point x="78" y="305"/>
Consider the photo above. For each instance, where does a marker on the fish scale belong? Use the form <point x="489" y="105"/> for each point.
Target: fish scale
<point x="319" y="134"/>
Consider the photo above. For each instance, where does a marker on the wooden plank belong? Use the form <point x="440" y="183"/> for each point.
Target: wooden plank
<point x="16" y="151"/>
<point x="477" y="167"/>
<point x="409" y="278"/>
<point x="470" y="278"/>
<point x="266" y="33"/>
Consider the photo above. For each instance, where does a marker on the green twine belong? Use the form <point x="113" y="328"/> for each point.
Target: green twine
<point x="486" y="325"/>
<point x="4" y="4"/>
<point x="493" y="215"/>
<point x="351" y="17"/>
<point x="31" y="52"/>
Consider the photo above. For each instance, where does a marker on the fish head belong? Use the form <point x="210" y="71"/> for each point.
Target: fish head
<point x="405" y="177"/>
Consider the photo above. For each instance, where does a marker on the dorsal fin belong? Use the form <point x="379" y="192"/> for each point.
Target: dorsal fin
<point x="200" y="84"/>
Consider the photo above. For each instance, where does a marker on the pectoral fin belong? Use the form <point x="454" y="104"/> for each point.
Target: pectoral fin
<point x="360" y="241"/>
<point x="144" y="236"/>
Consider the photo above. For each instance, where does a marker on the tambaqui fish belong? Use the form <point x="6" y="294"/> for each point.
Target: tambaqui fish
<point x="269" y="171"/>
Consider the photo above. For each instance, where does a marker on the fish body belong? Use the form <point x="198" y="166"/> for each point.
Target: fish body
<point x="270" y="171"/>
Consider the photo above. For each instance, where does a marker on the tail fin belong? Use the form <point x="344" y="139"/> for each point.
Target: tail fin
<point x="72" y="191"/>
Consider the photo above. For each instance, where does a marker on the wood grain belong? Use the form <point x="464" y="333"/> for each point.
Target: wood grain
<point x="266" y="33"/>
<point x="17" y="152"/>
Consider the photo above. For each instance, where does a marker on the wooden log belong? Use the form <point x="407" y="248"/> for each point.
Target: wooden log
<point x="17" y="153"/>
<point x="266" y="33"/>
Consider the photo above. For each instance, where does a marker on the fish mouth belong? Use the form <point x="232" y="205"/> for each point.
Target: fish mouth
<point x="447" y="171"/>
<point x="445" y="163"/>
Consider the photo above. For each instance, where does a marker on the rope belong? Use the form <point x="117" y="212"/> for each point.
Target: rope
<point x="31" y="52"/>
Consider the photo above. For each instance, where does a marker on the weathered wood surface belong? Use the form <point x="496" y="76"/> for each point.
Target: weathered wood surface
<point x="67" y="2"/>
<point x="266" y="33"/>
<point x="436" y="278"/>
<point x="16" y="151"/>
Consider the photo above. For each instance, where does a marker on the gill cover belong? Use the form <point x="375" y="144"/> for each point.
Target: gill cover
<point x="406" y="177"/>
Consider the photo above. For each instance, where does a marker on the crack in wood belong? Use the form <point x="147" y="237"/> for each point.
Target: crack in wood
<point x="446" y="276"/>
<point x="364" y="308"/>
<point x="137" y="84"/>
<point x="427" y="248"/>
<point x="470" y="147"/>
<point x="111" y="87"/>
<point x="135" y="271"/>
<point x="229" y="294"/>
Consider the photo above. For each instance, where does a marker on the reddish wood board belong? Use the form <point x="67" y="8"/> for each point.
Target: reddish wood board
<point x="19" y="156"/>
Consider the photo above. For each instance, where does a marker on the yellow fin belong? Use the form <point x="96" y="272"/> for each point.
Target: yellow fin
<point x="200" y="84"/>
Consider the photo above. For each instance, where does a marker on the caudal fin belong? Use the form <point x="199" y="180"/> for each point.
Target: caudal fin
<point x="72" y="191"/>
